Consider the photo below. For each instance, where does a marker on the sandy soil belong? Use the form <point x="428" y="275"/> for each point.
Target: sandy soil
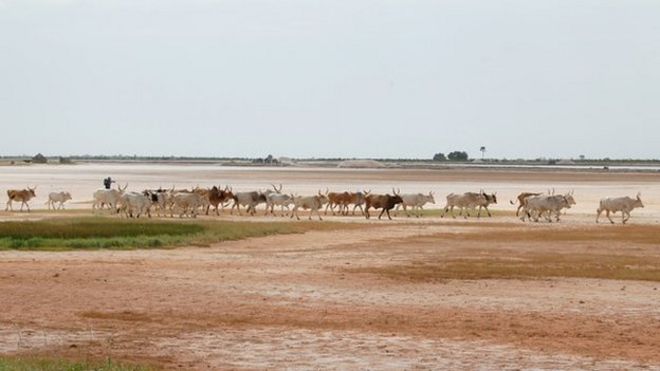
<point x="296" y="301"/>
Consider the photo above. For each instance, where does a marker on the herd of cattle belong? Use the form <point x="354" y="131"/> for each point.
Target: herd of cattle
<point x="188" y="203"/>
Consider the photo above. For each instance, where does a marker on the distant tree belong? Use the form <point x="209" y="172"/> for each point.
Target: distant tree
<point x="65" y="160"/>
<point x="458" y="156"/>
<point x="483" y="151"/>
<point x="39" y="159"/>
<point x="582" y="157"/>
<point x="439" y="157"/>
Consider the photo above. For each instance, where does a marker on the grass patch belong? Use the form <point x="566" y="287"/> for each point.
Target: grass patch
<point x="44" y="364"/>
<point x="530" y="266"/>
<point x="112" y="233"/>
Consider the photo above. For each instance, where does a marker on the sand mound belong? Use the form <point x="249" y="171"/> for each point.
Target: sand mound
<point x="360" y="164"/>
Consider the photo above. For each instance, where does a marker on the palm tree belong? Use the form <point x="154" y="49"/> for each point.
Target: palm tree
<point x="483" y="151"/>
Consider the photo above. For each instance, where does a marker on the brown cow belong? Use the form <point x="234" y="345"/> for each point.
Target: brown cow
<point x="385" y="202"/>
<point x="217" y="197"/>
<point x="23" y="195"/>
<point x="357" y="199"/>
<point x="334" y="199"/>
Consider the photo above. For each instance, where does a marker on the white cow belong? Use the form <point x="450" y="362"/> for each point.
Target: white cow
<point x="311" y="203"/>
<point x="57" y="198"/>
<point x="274" y="198"/>
<point x="134" y="204"/>
<point x="623" y="204"/>
<point x="188" y="203"/>
<point x="109" y="197"/>
<point x="465" y="202"/>
<point x="537" y="206"/>
<point x="416" y="202"/>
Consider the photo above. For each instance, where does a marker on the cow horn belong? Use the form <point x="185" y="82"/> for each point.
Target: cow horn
<point x="639" y="194"/>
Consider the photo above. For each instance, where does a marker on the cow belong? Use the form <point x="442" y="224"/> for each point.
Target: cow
<point x="249" y="199"/>
<point x="134" y="204"/>
<point x="536" y="206"/>
<point x="218" y="197"/>
<point x="108" y="197"/>
<point x="623" y="204"/>
<point x="160" y="199"/>
<point x="57" y="198"/>
<point x="311" y="203"/>
<point x="277" y="198"/>
<point x="521" y="200"/>
<point x="188" y="203"/>
<point x="465" y="202"/>
<point x="385" y="202"/>
<point x="20" y="195"/>
<point x="358" y="200"/>
<point x="485" y="202"/>
<point x="416" y="202"/>
<point x="335" y="199"/>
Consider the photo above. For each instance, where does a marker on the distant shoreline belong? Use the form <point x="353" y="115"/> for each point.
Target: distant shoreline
<point x="618" y="166"/>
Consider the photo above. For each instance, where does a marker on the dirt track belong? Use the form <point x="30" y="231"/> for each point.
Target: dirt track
<point x="305" y="301"/>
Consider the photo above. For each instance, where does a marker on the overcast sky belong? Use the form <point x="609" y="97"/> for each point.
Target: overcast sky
<point x="346" y="78"/>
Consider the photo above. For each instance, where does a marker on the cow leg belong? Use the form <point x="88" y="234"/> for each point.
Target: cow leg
<point x="388" y="213"/>
<point x="518" y="209"/>
<point x="598" y="212"/>
<point x="607" y="214"/>
<point x="381" y="213"/>
<point x="488" y="211"/>
<point x="623" y="216"/>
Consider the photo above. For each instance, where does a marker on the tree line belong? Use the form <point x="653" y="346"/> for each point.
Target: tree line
<point x="452" y="156"/>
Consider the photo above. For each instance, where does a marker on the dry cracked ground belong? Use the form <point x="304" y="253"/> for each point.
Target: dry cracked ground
<point x="427" y="295"/>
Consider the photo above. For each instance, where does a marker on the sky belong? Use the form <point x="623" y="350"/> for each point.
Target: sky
<point x="331" y="78"/>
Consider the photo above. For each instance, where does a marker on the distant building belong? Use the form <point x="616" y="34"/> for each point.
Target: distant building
<point x="39" y="159"/>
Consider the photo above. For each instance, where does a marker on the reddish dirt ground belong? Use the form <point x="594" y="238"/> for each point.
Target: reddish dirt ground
<point x="296" y="301"/>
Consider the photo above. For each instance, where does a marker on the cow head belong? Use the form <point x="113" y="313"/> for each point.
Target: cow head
<point x="396" y="199"/>
<point x="67" y="196"/>
<point x="323" y="198"/>
<point x="569" y="199"/>
<point x="32" y="191"/>
<point x="492" y="198"/>
<point x="430" y="198"/>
